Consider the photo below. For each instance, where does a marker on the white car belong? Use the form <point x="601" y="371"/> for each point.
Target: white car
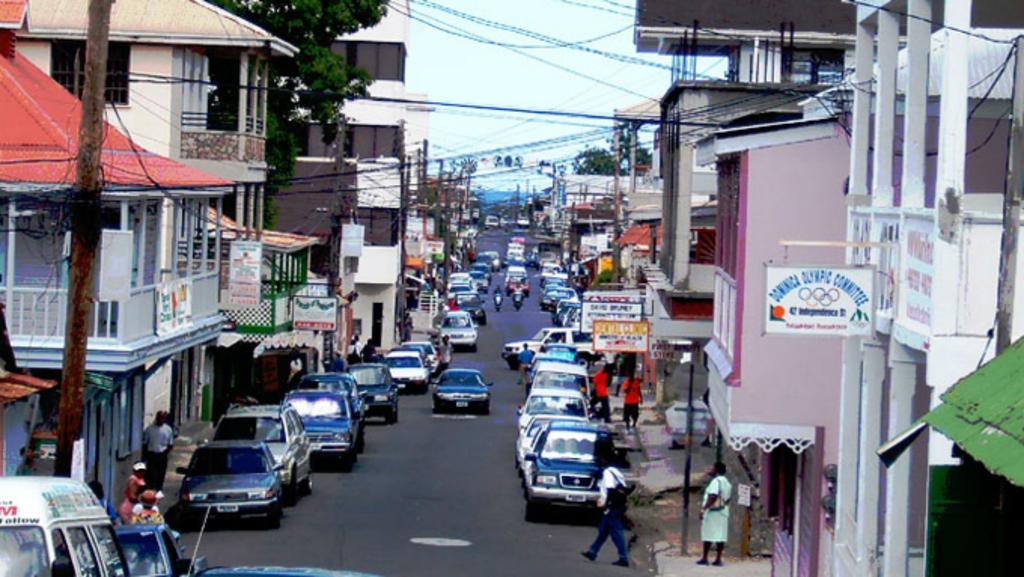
<point x="527" y="438"/>
<point x="560" y="376"/>
<point x="523" y="222"/>
<point x="555" y="402"/>
<point x="460" y="329"/>
<point x="408" y="370"/>
<point x="492" y="222"/>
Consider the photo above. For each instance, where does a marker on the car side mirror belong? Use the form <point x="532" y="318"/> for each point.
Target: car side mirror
<point x="62" y="567"/>
<point x="530" y="458"/>
<point x="182" y="470"/>
<point x="183" y="566"/>
<point x="278" y="467"/>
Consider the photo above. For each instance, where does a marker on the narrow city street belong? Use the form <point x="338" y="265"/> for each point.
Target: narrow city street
<point x="427" y="477"/>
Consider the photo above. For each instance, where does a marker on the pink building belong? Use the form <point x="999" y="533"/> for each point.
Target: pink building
<point x="776" y="398"/>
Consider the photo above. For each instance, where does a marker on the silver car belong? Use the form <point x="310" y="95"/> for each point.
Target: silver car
<point x="231" y="479"/>
<point x="281" y="429"/>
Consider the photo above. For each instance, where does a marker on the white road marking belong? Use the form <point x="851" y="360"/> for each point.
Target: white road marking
<point x="455" y="417"/>
<point x="439" y="542"/>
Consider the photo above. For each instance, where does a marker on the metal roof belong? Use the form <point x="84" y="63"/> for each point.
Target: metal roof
<point x="984" y="59"/>
<point x="12" y="13"/>
<point x="190" y="22"/>
<point x="15" y="386"/>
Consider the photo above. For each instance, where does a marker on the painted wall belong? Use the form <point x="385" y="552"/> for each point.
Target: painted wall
<point x="394" y="27"/>
<point x="362" y="310"/>
<point x="793" y="192"/>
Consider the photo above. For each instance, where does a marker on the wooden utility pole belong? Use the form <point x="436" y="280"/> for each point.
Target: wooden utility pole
<point x="444" y="219"/>
<point x="339" y="207"/>
<point x="424" y="163"/>
<point x="85" y="234"/>
<point x="632" y="159"/>
<point x="1011" y="209"/>
<point x="617" y="231"/>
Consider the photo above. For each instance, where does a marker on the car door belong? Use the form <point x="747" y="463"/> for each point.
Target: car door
<point x="301" y="443"/>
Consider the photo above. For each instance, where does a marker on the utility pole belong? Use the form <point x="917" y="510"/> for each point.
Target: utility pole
<point x="403" y="206"/>
<point x="616" y="249"/>
<point x="689" y="458"/>
<point x="339" y="205"/>
<point x="1011" y="209"/>
<point x="445" y="220"/>
<point x="632" y="159"/>
<point x="85" y="234"/>
<point x="424" y="162"/>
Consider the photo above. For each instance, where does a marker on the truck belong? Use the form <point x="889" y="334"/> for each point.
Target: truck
<point x="562" y="335"/>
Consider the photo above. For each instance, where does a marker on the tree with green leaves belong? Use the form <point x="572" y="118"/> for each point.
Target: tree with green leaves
<point x="312" y="26"/>
<point x="601" y="161"/>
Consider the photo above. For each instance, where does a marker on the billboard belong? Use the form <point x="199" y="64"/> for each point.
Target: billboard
<point x="622" y="336"/>
<point x="829" y="301"/>
<point x="244" y="273"/>
<point x="610" y="306"/>
<point x="314" y="314"/>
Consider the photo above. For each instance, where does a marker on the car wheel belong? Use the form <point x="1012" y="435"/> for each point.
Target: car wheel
<point x="534" y="512"/>
<point x="274" y="518"/>
<point x="307" y="485"/>
<point x="291" y="491"/>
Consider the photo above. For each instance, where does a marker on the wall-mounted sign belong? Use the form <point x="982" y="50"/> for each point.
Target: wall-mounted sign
<point x="914" y="318"/>
<point x="314" y="314"/>
<point x="245" y="273"/>
<point x="173" y="306"/>
<point x="622" y="336"/>
<point x="610" y="306"/>
<point x="352" y="240"/>
<point x="115" y="274"/>
<point x="818" y="300"/>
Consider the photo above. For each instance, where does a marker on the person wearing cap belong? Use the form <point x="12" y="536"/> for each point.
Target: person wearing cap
<point x="132" y="492"/>
<point x="145" y="512"/>
<point x="157" y="442"/>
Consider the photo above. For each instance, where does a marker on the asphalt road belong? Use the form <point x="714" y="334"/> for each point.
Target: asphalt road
<point x="432" y="477"/>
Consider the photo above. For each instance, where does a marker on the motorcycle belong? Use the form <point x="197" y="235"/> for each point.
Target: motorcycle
<point x="497" y="301"/>
<point x="517" y="300"/>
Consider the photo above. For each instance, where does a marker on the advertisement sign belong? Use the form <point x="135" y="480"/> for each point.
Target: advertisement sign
<point x="915" y="291"/>
<point x="610" y="306"/>
<point x="352" y="240"/>
<point x="833" y="301"/>
<point x="244" y="273"/>
<point x="622" y="336"/>
<point x="314" y="314"/>
<point x="671" y="350"/>
<point x="173" y="306"/>
<point x="115" y="274"/>
<point x="435" y="248"/>
<point x="593" y="244"/>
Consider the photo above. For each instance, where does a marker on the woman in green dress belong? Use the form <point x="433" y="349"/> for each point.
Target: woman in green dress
<point x="714" y="514"/>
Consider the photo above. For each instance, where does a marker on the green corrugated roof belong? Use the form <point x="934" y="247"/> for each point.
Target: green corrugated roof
<point x="984" y="414"/>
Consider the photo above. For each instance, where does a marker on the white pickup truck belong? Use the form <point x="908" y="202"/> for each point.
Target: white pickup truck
<point x="550" y="335"/>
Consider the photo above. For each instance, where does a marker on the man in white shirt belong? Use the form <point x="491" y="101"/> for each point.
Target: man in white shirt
<point x="157" y="442"/>
<point x="613" y="500"/>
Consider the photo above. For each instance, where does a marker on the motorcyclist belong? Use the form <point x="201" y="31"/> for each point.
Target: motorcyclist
<point x="517" y="299"/>
<point x="497" y="298"/>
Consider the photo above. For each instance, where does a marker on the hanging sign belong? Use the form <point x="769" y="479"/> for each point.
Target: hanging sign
<point x="833" y="301"/>
<point x="245" y="273"/>
<point x="173" y="306"/>
<point x="352" y="240"/>
<point x="610" y="306"/>
<point x="622" y="336"/>
<point x="314" y="314"/>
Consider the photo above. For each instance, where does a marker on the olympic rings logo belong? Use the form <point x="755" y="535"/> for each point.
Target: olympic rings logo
<point x="818" y="296"/>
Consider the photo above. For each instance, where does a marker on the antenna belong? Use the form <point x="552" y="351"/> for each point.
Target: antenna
<point x="199" y="540"/>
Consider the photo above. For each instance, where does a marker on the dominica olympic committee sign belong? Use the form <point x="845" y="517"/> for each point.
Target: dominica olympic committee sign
<point x="834" y="301"/>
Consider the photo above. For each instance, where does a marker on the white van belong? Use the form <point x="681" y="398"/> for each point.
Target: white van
<point x="553" y="375"/>
<point x="55" y="527"/>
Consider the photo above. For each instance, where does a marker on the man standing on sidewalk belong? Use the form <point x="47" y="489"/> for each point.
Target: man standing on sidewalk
<point x="631" y="402"/>
<point x="614" y="495"/>
<point x="601" y="381"/>
<point x="714" y="514"/>
<point x="157" y="441"/>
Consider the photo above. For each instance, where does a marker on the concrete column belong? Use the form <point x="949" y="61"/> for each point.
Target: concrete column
<point x="849" y="444"/>
<point x="861" y="139"/>
<point x="250" y="208"/>
<point x="903" y="378"/>
<point x="949" y="184"/>
<point x="240" y="204"/>
<point x="681" y="231"/>
<point x="885" y="108"/>
<point x="874" y="370"/>
<point x="915" y="116"/>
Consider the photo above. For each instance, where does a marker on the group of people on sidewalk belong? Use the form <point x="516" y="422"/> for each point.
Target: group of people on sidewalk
<point x="630" y="386"/>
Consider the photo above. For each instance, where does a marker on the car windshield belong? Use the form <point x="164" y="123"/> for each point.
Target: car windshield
<point x="468" y="299"/>
<point x="319" y="407"/>
<point x="343" y="384"/>
<point x="460" y="288"/>
<point x="268" y="429"/>
<point x="23" y="552"/>
<point x="142" y="551"/>
<point x="457" y="322"/>
<point x="403" y="362"/>
<point x="228" y="461"/>
<point x="569" y="446"/>
<point x="478" y="274"/>
<point x="459" y="379"/>
<point x="368" y="376"/>
<point x="554" y="380"/>
<point x="552" y="405"/>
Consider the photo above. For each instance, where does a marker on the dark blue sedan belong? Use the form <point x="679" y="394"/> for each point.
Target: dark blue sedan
<point x="462" y="389"/>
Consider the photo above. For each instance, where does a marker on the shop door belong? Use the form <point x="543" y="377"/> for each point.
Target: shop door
<point x="968" y="532"/>
<point x="377" y="330"/>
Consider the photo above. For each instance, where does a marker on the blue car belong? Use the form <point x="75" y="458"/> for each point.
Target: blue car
<point x="329" y="424"/>
<point x="277" y="572"/>
<point x="563" y="471"/>
<point x="341" y="383"/>
<point x="154" y="551"/>
<point x="462" y="389"/>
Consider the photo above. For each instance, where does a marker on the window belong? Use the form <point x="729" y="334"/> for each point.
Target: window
<point x="67" y="66"/>
<point x="84" y="556"/>
<point x="817" y="67"/>
<point x="109" y="553"/>
<point x="380" y="60"/>
<point x="23" y="551"/>
<point x="143" y="553"/>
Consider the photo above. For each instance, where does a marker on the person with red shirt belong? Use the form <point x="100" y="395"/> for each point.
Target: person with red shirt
<point x="601" y="381"/>
<point x="631" y="403"/>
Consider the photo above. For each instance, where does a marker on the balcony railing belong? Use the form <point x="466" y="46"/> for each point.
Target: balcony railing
<point x="272" y="315"/>
<point x="206" y="121"/>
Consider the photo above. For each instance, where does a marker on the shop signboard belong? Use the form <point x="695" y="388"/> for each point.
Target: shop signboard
<point x="352" y="240"/>
<point x="815" y="300"/>
<point x="610" y="306"/>
<point x="913" y="325"/>
<point x="245" y="273"/>
<point x="622" y="336"/>
<point x="173" y="306"/>
<point x="314" y="314"/>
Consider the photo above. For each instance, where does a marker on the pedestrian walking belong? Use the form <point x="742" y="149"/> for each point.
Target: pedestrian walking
<point x="157" y="442"/>
<point x="631" y="402"/>
<point x="614" y="502"/>
<point x="353" y="351"/>
<point x="714" y="514"/>
<point x="132" y="491"/>
<point x="602" y="379"/>
<point x="525" y="357"/>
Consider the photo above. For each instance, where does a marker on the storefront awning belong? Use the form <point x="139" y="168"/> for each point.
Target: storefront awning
<point x="983" y="414"/>
<point x="15" y="386"/>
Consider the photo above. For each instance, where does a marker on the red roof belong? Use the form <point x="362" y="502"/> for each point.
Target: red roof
<point x="639" y="235"/>
<point x="39" y="140"/>
<point x="12" y="13"/>
<point x="14" y="386"/>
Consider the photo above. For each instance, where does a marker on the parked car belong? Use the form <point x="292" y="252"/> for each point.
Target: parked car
<point x="332" y="430"/>
<point x="408" y="371"/>
<point x="492" y="222"/>
<point x="155" y="551"/>
<point x="553" y="295"/>
<point x="460" y="329"/>
<point x="344" y="384"/>
<point x="474" y="305"/>
<point x="548" y="375"/>
<point x="428" y="350"/>
<point x="280" y="427"/>
<point x="561" y="310"/>
<point x="231" y="479"/>
<point x="380" y="395"/>
<point x="563" y="472"/>
<point x="462" y="389"/>
<point x="552" y="402"/>
<point x="526" y="442"/>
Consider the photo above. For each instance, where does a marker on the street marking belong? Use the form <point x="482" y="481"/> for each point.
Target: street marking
<point x="455" y="417"/>
<point x="439" y="542"/>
